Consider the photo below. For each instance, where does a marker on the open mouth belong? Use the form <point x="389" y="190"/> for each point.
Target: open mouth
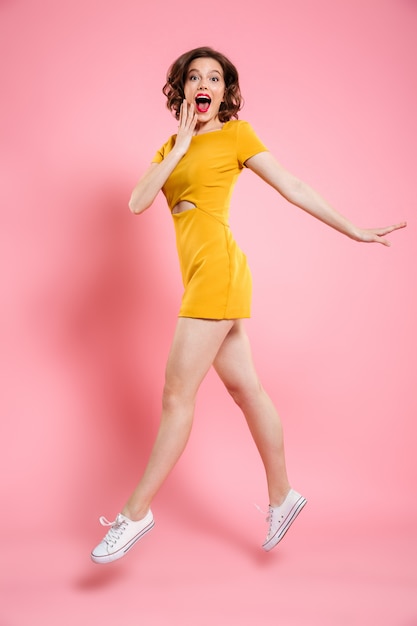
<point x="202" y="103"/>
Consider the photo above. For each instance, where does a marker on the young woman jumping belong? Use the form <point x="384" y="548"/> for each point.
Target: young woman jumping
<point x="197" y="169"/>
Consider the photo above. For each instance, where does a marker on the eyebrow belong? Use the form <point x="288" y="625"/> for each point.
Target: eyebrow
<point x="192" y="69"/>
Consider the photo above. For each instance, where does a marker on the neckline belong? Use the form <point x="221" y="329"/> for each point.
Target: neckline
<point x="210" y="132"/>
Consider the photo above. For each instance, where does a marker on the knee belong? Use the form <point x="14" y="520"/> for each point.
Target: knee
<point x="175" y="397"/>
<point x="245" y="394"/>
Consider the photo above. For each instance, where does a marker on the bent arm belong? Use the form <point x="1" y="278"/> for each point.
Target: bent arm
<point x="302" y="195"/>
<point x="151" y="183"/>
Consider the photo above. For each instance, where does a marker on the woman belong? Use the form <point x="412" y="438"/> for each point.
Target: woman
<point x="197" y="169"/>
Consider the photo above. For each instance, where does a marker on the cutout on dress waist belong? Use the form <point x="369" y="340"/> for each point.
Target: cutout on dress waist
<point x="182" y="206"/>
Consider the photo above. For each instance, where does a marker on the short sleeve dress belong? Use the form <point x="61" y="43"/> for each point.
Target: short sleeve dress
<point x="215" y="273"/>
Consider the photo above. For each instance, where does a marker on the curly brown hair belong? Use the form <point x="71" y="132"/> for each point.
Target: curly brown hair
<point x="177" y="74"/>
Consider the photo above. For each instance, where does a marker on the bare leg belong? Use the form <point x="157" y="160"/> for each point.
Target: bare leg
<point x="195" y="345"/>
<point x="234" y="365"/>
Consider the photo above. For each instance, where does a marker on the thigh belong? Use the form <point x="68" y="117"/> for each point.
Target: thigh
<point x="234" y="363"/>
<point x="194" y="347"/>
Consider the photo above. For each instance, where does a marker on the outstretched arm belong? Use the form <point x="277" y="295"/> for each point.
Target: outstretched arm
<point x="302" y="195"/>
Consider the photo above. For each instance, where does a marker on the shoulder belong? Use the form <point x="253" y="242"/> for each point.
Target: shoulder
<point x="237" y="126"/>
<point x="244" y="140"/>
<point x="170" y="142"/>
<point x="164" y="149"/>
<point x="242" y="130"/>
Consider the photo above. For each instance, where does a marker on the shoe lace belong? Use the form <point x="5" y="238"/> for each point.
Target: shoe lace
<point x="268" y="519"/>
<point x="117" y="528"/>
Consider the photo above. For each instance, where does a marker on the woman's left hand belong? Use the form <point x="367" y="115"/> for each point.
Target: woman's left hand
<point x="377" y="235"/>
<point x="302" y="195"/>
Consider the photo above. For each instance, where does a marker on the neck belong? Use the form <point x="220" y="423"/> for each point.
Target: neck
<point x="207" y="127"/>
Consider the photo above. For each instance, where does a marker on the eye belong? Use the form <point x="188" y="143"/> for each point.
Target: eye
<point x="193" y="77"/>
<point x="215" y="79"/>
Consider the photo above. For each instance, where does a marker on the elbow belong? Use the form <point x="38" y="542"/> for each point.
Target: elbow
<point x="132" y="207"/>
<point x="136" y="207"/>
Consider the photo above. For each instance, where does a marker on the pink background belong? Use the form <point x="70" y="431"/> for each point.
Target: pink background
<point x="90" y="295"/>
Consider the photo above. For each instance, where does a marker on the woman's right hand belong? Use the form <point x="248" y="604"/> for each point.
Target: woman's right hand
<point x="157" y="174"/>
<point x="186" y="127"/>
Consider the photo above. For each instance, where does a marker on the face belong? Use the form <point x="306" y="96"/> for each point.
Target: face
<point x="204" y="87"/>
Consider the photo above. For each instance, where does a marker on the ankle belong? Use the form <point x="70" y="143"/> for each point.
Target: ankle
<point x="279" y="498"/>
<point x="135" y="515"/>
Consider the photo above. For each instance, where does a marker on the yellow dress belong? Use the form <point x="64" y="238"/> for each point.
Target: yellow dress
<point x="216" y="277"/>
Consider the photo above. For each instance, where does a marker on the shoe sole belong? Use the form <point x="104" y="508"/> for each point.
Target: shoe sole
<point x="296" y="509"/>
<point x="108" y="558"/>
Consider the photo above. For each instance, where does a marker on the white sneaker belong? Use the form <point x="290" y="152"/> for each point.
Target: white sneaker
<point x="281" y="517"/>
<point x="122" y="536"/>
